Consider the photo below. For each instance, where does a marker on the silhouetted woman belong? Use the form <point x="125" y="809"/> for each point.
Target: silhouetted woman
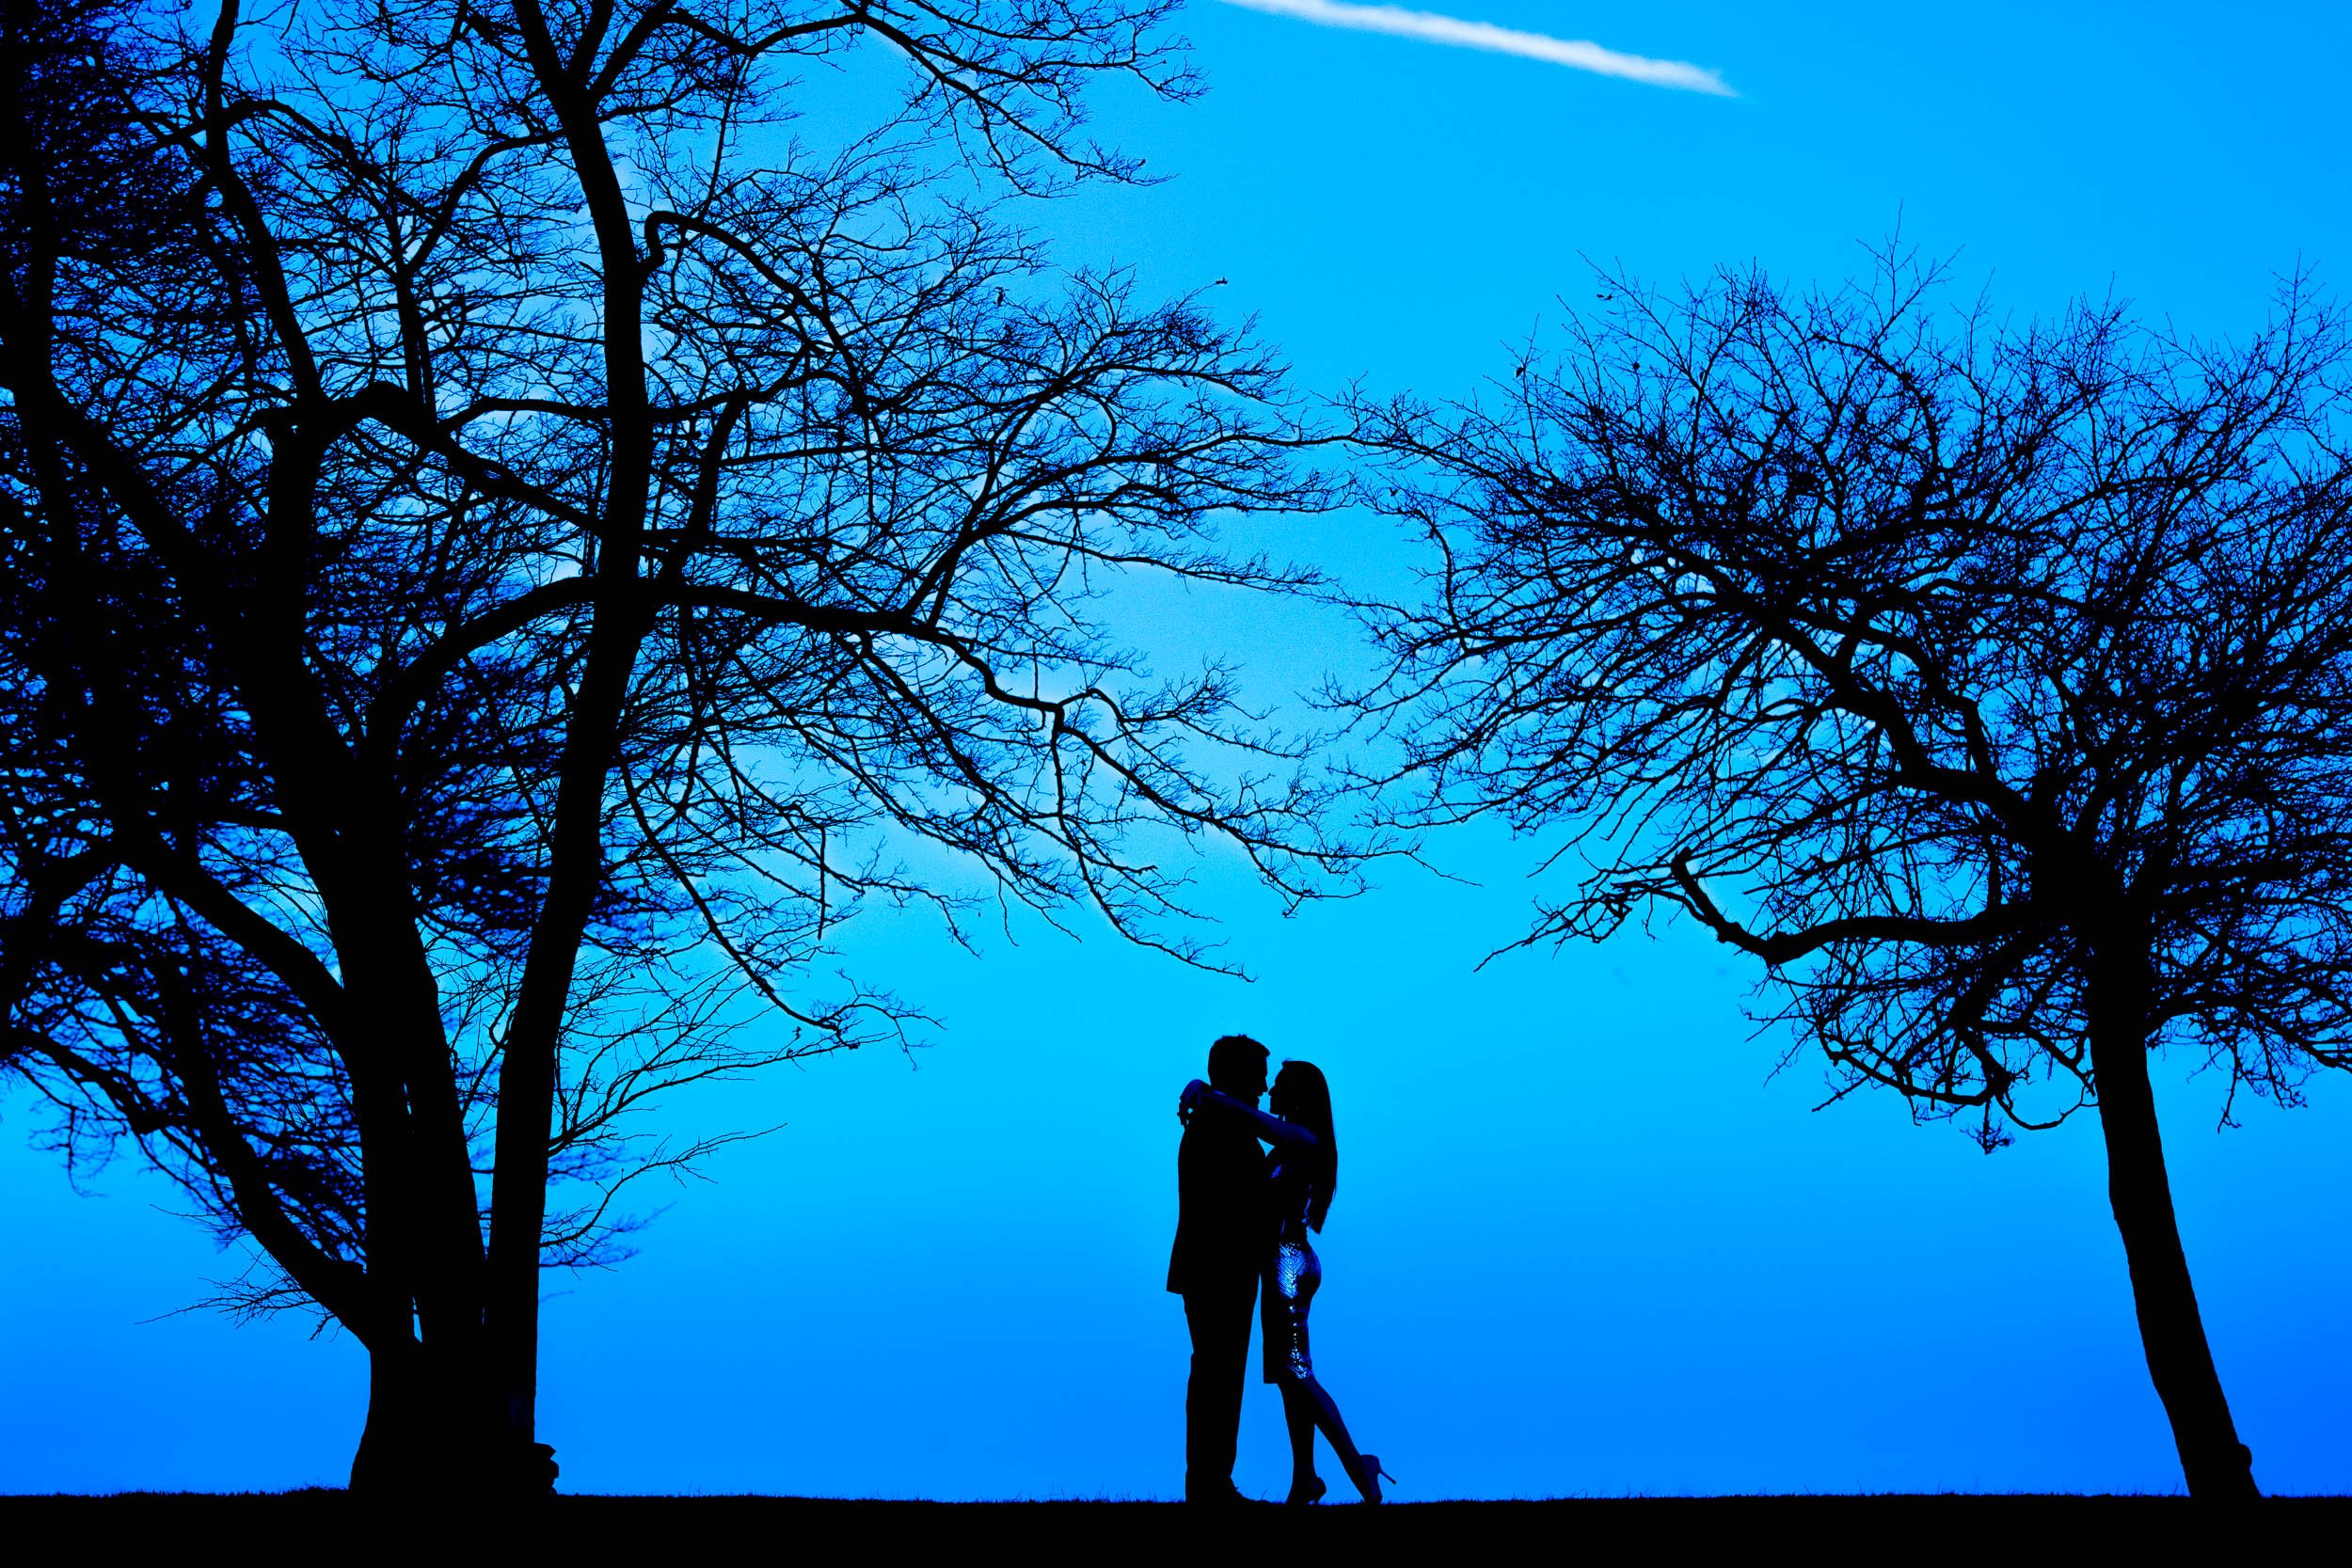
<point x="1302" y="1171"/>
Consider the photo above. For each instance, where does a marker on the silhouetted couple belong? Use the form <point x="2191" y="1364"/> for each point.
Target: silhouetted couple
<point x="1242" y="1240"/>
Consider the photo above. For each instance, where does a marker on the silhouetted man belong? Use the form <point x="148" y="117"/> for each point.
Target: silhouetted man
<point x="1221" y="1236"/>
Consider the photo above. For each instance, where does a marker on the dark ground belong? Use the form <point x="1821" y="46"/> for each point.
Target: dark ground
<point x="1989" y="1530"/>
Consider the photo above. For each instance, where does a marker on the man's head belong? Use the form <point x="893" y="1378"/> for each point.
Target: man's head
<point x="1237" y="1066"/>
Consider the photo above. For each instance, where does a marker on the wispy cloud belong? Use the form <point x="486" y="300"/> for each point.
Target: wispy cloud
<point x="1431" y="28"/>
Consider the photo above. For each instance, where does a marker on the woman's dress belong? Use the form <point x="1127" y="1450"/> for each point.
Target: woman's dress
<point x="1291" y="1269"/>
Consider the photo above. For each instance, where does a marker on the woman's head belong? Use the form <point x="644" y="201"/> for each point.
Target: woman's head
<point x="1301" y="1095"/>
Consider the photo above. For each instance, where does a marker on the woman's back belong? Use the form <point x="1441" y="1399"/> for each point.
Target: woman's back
<point x="1290" y="1189"/>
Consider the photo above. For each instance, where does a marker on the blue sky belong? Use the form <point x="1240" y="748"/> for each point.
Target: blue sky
<point x="1585" y="1243"/>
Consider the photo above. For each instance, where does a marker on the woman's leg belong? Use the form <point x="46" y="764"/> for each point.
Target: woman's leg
<point x="1324" y="1412"/>
<point x="1298" y="1413"/>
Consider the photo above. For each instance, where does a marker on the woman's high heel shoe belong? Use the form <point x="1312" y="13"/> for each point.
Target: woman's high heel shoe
<point x="1301" y="1496"/>
<point x="1372" y="1475"/>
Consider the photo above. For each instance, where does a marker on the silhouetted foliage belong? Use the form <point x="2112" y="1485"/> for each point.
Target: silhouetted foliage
<point x="505" y="550"/>
<point x="1992" y="684"/>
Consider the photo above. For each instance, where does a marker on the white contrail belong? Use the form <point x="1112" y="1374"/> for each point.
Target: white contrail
<point x="1431" y="28"/>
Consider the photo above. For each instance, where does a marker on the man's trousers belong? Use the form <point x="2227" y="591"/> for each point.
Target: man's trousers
<point x="1219" y="1319"/>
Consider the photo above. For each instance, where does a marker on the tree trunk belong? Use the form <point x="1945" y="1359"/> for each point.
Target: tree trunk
<point x="2171" y="1332"/>
<point x="436" y="1429"/>
<point x="415" y="1444"/>
<point x="527" y="1072"/>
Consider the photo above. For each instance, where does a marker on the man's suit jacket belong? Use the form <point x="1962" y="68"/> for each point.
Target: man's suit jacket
<point x="1221" y="1222"/>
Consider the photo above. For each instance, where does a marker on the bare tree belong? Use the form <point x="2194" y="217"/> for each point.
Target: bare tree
<point x="505" y="549"/>
<point x="1992" y="684"/>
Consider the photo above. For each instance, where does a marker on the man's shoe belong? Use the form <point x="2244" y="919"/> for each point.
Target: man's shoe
<point x="1226" y="1496"/>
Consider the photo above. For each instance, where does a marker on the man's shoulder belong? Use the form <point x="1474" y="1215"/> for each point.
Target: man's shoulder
<point x="1218" y="1144"/>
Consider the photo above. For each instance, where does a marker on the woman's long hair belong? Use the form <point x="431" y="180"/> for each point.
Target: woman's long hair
<point x="1306" y="1099"/>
